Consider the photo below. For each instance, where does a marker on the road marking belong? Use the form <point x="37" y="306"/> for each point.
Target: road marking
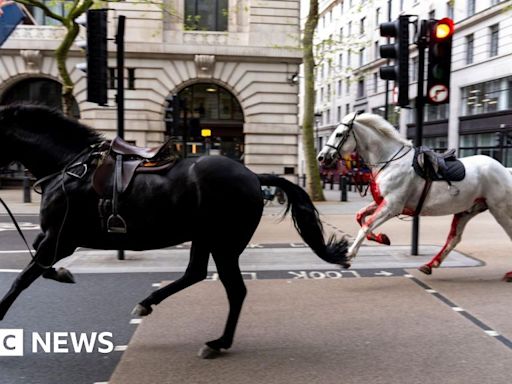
<point x="383" y="273"/>
<point x="480" y="324"/>
<point x="156" y="285"/>
<point x="20" y="251"/>
<point x="101" y="382"/>
<point x="135" y="321"/>
<point x="11" y="270"/>
<point x="120" y="348"/>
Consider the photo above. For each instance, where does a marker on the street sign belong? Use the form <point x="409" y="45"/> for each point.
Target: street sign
<point x="438" y="94"/>
<point x="11" y="16"/>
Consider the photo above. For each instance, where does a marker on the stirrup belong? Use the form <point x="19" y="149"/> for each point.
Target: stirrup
<point x="116" y="224"/>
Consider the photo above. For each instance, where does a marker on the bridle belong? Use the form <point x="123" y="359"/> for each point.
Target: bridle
<point x="346" y="134"/>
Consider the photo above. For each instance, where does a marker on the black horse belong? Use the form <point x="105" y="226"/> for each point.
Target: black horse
<point x="214" y="202"/>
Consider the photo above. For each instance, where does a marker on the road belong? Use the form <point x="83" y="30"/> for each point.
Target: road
<point x="468" y="295"/>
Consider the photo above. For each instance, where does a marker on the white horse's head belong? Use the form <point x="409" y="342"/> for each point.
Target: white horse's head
<point x="341" y="141"/>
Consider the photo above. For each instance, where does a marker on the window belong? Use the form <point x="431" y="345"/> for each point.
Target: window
<point x="470" y="48"/>
<point x="360" y="88"/>
<point x="338" y="114"/>
<point x="340" y="61"/>
<point x="393" y="114"/>
<point x="494" y="31"/>
<point x="347" y="109"/>
<point x="491" y="96"/>
<point x="56" y="7"/>
<point x="329" y="93"/>
<point x="341" y="35"/>
<point x="449" y="9"/>
<point x="339" y="87"/>
<point x="328" y="117"/>
<point x="471" y="7"/>
<point x="206" y="15"/>
<point x="361" y="57"/>
<point x="414" y="68"/>
<point x="376" y="50"/>
<point x="494" y="144"/>
<point x="436" y="112"/>
<point x="361" y="26"/>
<point x="349" y="58"/>
<point x="349" y="28"/>
<point x="377" y="17"/>
<point x="432" y="14"/>
<point x="375" y="82"/>
<point x="330" y="16"/>
<point x="347" y="85"/>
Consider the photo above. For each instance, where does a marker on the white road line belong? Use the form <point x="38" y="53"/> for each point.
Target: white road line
<point x="20" y="251"/>
<point x="10" y="270"/>
<point x="430" y="291"/>
<point x="101" y="382"/>
<point x="156" y="285"/>
<point x="408" y="276"/>
<point x="120" y="348"/>
<point x="135" y="321"/>
<point x="492" y="333"/>
<point x="458" y="309"/>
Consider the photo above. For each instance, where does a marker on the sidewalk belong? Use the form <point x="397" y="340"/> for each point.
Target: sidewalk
<point x="14" y="200"/>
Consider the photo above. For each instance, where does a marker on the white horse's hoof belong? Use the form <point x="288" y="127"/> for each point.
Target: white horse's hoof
<point x="140" y="310"/>
<point x="208" y="353"/>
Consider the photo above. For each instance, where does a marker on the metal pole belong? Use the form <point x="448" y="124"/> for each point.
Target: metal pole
<point x="420" y="104"/>
<point x="183" y="106"/>
<point x="26" y="187"/>
<point x="120" y="89"/>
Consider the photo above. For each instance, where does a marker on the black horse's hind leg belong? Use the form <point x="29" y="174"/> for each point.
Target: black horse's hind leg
<point x="231" y="278"/>
<point x="196" y="272"/>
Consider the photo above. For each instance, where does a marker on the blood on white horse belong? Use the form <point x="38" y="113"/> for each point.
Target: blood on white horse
<point x="397" y="189"/>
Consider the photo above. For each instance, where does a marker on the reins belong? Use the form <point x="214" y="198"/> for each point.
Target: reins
<point x="65" y="171"/>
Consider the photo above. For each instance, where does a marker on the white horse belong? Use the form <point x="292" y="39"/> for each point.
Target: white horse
<point x="397" y="189"/>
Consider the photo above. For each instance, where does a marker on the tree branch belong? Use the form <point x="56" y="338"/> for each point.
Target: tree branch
<point x="48" y="12"/>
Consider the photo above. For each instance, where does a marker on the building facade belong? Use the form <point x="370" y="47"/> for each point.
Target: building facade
<point x="478" y="119"/>
<point x="233" y="61"/>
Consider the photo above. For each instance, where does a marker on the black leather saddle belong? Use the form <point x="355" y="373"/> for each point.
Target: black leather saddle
<point x="435" y="166"/>
<point x="116" y="169"/>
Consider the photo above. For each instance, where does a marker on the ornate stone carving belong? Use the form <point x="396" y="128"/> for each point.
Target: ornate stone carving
<point x="205" y="65"/>
<point x="205" y="38"/>
<point x="38" y="32"/>
<point x="32" y="59"/>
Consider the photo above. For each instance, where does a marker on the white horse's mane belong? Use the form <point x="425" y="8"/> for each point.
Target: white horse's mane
<point x="381" y="125"/>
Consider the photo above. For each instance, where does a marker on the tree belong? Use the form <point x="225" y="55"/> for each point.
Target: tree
<point x="72" y="10"/>
<point x="313" y="185"/>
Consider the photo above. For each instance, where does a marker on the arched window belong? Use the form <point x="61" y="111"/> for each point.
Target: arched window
<point x="37" y="90"/>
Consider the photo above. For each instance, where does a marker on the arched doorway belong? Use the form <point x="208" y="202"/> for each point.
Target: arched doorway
<point x="210" y="108"/>
<point x="37" y="90"/>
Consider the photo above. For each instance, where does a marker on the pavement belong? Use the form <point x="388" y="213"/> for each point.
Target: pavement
<point x="315" y="323"/>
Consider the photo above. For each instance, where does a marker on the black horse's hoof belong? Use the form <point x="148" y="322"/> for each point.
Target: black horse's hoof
<point x="346" y="265"/>
<point x="207" y="352"/>
<point x="62" y="275"/>
<point x="141" y="310"/>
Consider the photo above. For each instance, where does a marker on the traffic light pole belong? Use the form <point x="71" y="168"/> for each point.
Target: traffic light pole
<point x="120" y="89"/>
<point x="420" y="105"/>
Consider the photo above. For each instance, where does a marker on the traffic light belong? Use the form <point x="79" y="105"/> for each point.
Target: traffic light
<point x="439" y="61"/>
<point x="399" y="52"/>
<point x="97" y="55"/>
<point x="172" y="115"/>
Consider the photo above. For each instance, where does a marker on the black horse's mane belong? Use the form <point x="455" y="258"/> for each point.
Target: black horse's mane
<point x="52" y="122"/>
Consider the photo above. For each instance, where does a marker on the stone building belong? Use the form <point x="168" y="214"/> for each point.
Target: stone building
<point x="234" y="62"/>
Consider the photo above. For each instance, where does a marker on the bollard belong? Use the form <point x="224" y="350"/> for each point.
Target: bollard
<point x="332" y="182"/>
<point x="323" y="182"/>
<point x="304" y="181"/>
<point x="26" y="188"/>
<point x="343" y="187"/>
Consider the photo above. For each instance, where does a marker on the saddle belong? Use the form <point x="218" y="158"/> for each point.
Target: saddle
<point x="117" y="167"/>
<point x="435" y="166"/>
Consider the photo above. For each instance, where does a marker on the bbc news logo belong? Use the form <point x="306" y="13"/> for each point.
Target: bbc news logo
<point x="12" y="342"/>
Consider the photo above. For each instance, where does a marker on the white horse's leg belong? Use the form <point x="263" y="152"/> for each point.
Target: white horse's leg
<point x="361" y="216"/>
<point x="504" y="218"/>
<point x="383" y="213"/>
<point x="454" y="236"/>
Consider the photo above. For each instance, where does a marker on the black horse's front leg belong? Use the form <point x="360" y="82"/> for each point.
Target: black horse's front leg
<point x="62" y="275"/>
<point x="45" y="255"/>
<point x="24" y="279"/>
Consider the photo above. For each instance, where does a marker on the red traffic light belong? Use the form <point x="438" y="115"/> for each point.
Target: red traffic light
<point x="443" y="29"/>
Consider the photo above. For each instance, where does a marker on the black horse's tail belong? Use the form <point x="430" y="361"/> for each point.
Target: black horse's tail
<point x="307" y="221"/>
